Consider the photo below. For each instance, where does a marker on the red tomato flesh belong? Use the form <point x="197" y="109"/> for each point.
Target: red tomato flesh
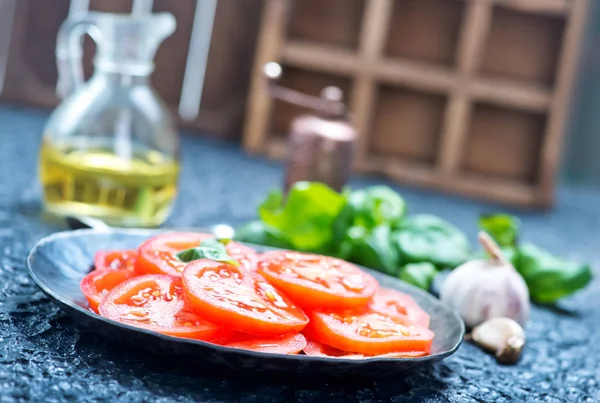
<point x="157" y="302"/>
<point x="115" y="260"/>
<point x="314" y="281"/>
<point x="96" y="284"/>
<point x="368" y="332"/>
<point x="291" y="343"/>
<point x="158" y="254"/>
<point x="397" y="303"/>
<point x="314" y="348"/>
<point x="239" y="299"/>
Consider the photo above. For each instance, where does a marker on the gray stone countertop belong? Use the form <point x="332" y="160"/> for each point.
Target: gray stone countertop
<point x="44" y="356"/>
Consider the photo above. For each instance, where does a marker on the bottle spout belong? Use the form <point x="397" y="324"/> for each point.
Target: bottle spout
<point x="125" y="43"/>
<point x="130" y="41"/>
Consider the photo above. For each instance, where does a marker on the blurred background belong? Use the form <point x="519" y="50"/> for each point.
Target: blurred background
<point x="444" y="95"/>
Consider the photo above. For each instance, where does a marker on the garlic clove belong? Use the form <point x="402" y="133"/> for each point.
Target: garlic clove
<point x="502" y="336"/>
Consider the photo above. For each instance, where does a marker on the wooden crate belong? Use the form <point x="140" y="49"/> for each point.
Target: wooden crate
<point x="465" y="96"/>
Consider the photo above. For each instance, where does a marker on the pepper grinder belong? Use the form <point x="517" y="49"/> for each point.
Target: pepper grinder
<point x="321" y="145"/>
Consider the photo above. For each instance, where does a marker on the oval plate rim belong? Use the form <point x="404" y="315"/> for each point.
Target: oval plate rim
<point x="249" y="353"/>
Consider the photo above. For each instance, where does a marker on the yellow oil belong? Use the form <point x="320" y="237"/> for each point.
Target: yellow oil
<point x="133" y="191"/>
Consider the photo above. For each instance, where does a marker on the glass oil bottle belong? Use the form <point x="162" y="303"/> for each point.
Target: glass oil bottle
<point x="110" y="149"/>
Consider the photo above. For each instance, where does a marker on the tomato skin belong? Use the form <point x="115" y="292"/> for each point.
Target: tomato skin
<point x="316" y="349"/>
<point x="367" y="332"/>
<point x="398" y="303"/>
<point x="239" y="299"/>
<point x="96" y="284"/>
<point x="315" y="281"/>
<point x="157" y="254"/>
<point x="115" y="259"/>
<point x="157" y="302"/>
<point x="291" y="343"/>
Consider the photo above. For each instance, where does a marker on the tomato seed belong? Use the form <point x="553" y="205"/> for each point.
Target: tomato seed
<point x="139" y="314"/>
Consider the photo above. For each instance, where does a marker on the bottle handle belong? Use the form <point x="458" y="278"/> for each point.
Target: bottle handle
<point x="69" y="51"/>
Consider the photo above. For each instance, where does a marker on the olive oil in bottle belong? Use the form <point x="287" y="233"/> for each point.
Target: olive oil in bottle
<point x="135" y="190"/>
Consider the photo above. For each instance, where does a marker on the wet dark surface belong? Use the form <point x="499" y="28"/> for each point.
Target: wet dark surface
<point x="44" y="356"/>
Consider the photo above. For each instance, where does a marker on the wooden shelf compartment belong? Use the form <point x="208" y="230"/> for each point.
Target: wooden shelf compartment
<point x="504" y="143"/>
<point x="523" y="46"/>
<point x="332" y="22"/>
<point x="425" y="30"/>
<point x="406" y="124"/>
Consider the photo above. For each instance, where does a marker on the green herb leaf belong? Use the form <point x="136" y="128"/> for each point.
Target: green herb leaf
<point x="215" y="244"/>
<point x="504" y="228"/>
<point x="259" y="233"/>
<point x="419" y="274"/>
<point x="372" y="249"/>
<point x="212" y="249"/>
<point x="548" y="277"/>
<point x="427" y="238"/>
<point x="306" y="216"/>
<point x="370" y="207"/>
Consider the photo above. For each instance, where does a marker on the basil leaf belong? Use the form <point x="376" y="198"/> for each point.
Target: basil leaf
<point x="215" y="243"/>
<point x="259" y="233"/>
<point x="306" y="216"/>
<point x="504" y="228"/>
<point x="427" y="238"/>
<point x="211" y="249"/>
<point x="372" y="249"/>
<point x="418" y="274"/>
<point x="548" y="277"/>
<point x="370" y="207"/>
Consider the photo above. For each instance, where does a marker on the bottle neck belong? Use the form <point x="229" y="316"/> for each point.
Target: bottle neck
<point x="141" y="69"/>
<point x="114" y="74"/>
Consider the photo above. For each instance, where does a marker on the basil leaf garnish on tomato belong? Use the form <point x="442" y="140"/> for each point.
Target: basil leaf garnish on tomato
<point x="212" y="249"/>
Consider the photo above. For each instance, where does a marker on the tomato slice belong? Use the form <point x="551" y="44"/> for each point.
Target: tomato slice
<point x="96" y="284"/>
<point x="314" y="348"/>
<point x="157" y="254"/>
<point x="291" y="343"/>
<point x="157" y="302"/>
<point x="115" y="259"/>
<point x="368" y="332"/>
<point x="314" y="281"/>
<point x="239" y="299"/>
<point x="396" y="302"/>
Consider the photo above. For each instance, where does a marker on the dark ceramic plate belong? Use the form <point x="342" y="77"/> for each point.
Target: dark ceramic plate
<point x="58" y="263"/>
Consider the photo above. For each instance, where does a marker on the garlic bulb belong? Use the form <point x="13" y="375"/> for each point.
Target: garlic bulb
<point x="503" y="336"/>
<point x="484" y="289"/>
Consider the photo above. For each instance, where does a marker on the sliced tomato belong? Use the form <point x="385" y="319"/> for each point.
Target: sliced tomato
<point x="291" y="343"/>
<point x="115" y="259"/>
<point x="315" y="281"/>
<point x="239" y="299"/>
<point x="314" y="348"/>
<point x="96" y="284"/>
<point x="158" y="254"/>
<point x="368" y="332"/>
<point x="396" y="302"/>
<point x="157" y="302"/>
